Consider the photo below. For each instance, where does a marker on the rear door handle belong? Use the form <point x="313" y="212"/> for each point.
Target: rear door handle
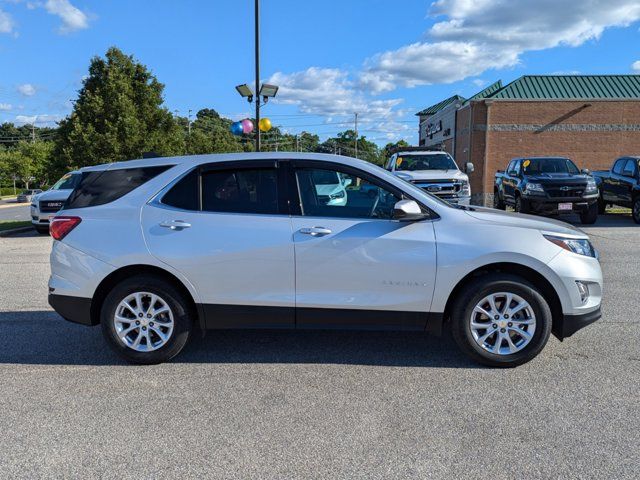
<point x="175" y="224"/>
<point x="315" y="231"/>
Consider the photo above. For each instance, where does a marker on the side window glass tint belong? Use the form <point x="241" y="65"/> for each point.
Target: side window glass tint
<point x="184" y="194"/>
<point x="329" y="193"/>
<point x="629" y="168"/>
<point x="240" y="191"/>
<point x="105" y="186"/>
<point x="617" y="167"/>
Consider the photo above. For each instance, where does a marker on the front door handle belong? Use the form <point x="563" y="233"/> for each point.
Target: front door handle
<point x="315" y="231"/>
<point x="175" y="224"/>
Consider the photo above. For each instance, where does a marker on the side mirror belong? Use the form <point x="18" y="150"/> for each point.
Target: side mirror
<point x="586" y="171"/>
<point x="469" y="168"/>
<point x="408" y="211"/>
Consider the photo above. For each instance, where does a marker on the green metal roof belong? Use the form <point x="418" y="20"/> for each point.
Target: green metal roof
<point x="486" y="92"/>
<point x="563" y="87"/>
<point x="439" y="106"/>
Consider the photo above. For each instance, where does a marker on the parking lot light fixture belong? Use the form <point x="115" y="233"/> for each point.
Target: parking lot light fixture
<point x="245" y="91"/>
<point x="267" y="91"/>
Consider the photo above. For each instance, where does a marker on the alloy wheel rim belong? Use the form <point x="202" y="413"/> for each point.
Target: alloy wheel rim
<point x="503" y="323"/>
<point x="143" y="321"/>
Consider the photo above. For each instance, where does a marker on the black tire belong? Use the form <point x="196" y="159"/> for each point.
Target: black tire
<point x="183" y="318"/>
<point x="498" y="202"/>
<point x="521" y="206"/>
<point x="602" y="206"/>
<point x="635" y="210"/>
<point x="473" y="293"/>
<point x="42" y="230"/>
<point x="589" y="216"/>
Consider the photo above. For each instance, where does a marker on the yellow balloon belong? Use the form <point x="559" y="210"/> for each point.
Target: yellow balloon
<point x="264" y="125"/>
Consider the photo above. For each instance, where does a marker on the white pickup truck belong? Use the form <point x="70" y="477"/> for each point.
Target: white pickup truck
<point x="434" y="171"/>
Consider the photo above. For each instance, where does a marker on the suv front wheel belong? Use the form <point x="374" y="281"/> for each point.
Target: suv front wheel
<point x="146" y="320"/>
<point x="501" y="320"/>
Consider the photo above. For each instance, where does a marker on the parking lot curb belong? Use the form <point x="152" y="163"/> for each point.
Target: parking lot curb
<point x="13" y="231"/>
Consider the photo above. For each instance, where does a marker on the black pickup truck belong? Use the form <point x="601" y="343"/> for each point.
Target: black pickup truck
<point x="621" y="185"/>
<point x="547" y="185"/>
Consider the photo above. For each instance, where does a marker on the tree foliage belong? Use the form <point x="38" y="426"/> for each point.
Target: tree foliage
<point x="119" y="115"/>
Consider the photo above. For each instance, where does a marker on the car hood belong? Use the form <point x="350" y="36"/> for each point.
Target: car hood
<point x="52" y="195"/>
<point x="542" y="177"/>
<point x="500" y="217"/>
<point x="432" y="175"/>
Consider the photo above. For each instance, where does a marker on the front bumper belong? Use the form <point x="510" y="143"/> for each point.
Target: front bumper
<point x="547" y="205"/>
<point x="567" y="325"/>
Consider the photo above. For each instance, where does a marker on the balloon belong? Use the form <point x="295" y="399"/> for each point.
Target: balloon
<point x="236" y="128"/>
<point x="247" y="126"/>
<point x="264" y="125"/>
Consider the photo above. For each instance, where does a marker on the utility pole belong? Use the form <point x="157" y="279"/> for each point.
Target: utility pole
<point x="356" y="141"/>
<point x="257" y="20"/>
<point x="297" y="150"/>
<point x="189" y="123"/>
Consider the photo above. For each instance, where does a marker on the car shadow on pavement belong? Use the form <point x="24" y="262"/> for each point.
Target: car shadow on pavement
<point x="44" y="338"/>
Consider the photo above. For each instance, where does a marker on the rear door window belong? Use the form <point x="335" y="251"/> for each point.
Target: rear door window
<point x="240" y="191"/>
<point x="105" y="186"/>
<point x="618" y="166"/>
<point x="184" y="194"/>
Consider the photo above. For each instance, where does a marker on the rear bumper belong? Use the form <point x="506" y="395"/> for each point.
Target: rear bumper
<point x="570" y="324"/>
<point x="73" y="309"/>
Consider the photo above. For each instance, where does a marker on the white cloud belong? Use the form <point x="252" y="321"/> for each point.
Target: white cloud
<point x="473" y="36"/>
<point x="479" y="82"/>
<point x="27" y="89"/>
<point x="6" y="22"/>
<point x="635" y="66"/>
<point x="5" y="107"/>
<point x="328" y="92"/>
<point x="72" y="17"/>
<point x="45" y="119"/>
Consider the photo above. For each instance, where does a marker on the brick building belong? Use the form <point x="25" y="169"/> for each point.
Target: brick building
<point x="591" y="119"/>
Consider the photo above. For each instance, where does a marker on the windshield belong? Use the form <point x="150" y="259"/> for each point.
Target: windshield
<point x="437" y="161"/>
<point x="67" y="182"/>
<point x="549" y="165"/>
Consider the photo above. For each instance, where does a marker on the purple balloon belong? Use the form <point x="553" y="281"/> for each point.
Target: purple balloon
<point x="247" y="126"/>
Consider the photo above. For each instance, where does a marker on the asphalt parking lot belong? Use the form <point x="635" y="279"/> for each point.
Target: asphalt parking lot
<point x="317" y="404"/>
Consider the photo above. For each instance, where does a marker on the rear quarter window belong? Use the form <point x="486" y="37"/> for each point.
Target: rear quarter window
<point x="105" y="186"/>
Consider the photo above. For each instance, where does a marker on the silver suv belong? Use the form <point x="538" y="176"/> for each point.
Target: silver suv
<point x="154" y="249"/>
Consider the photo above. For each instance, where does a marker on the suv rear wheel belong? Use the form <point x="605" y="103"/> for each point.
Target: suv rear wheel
<point x="635" y="212"/>
<point x="498" y="202"/>
<point x="146" y="320"/>
<point x="501" y="320"/>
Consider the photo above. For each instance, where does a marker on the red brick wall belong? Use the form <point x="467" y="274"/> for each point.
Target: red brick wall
<point x="518" y="129"/>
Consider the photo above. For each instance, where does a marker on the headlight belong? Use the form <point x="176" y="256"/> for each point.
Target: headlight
<point x="579" y="246"/>
<point x="466" y="188"/>
<point x="591" y="187"/>
<point x="535" y="188"/>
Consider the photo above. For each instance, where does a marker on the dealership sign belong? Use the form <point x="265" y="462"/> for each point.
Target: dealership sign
<point x="433" y="128"/>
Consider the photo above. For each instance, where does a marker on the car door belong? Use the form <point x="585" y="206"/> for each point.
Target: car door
<point x="355" y="265"/>
<point x="613" y="184"/>
<point x="627" y="181"/>
<point x="511" y="181"/>
<point x="223" y="227"/>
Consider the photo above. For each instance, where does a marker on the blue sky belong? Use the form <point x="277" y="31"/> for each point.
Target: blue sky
<point x="384" y="59"/>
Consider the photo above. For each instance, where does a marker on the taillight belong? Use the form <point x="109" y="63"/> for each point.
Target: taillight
<point x="61" y="226"/>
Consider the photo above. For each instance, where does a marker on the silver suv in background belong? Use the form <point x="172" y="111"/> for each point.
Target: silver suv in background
<point x="434" y="171"/>
<point x="154" y="249"/>
<point x="46" y="204"/>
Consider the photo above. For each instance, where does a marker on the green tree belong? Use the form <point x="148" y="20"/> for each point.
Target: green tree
<point x="119" y="115"/>
<point x="39" y="155"/>
<point x="387" y="150"/>
<point x="344" y="144"/>
<point x="210" y="133"/>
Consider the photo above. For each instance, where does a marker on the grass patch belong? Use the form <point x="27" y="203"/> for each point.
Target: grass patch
<point x="11" y="224"/>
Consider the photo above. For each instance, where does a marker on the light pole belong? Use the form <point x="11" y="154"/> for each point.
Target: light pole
<point x="265" y="90"/>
